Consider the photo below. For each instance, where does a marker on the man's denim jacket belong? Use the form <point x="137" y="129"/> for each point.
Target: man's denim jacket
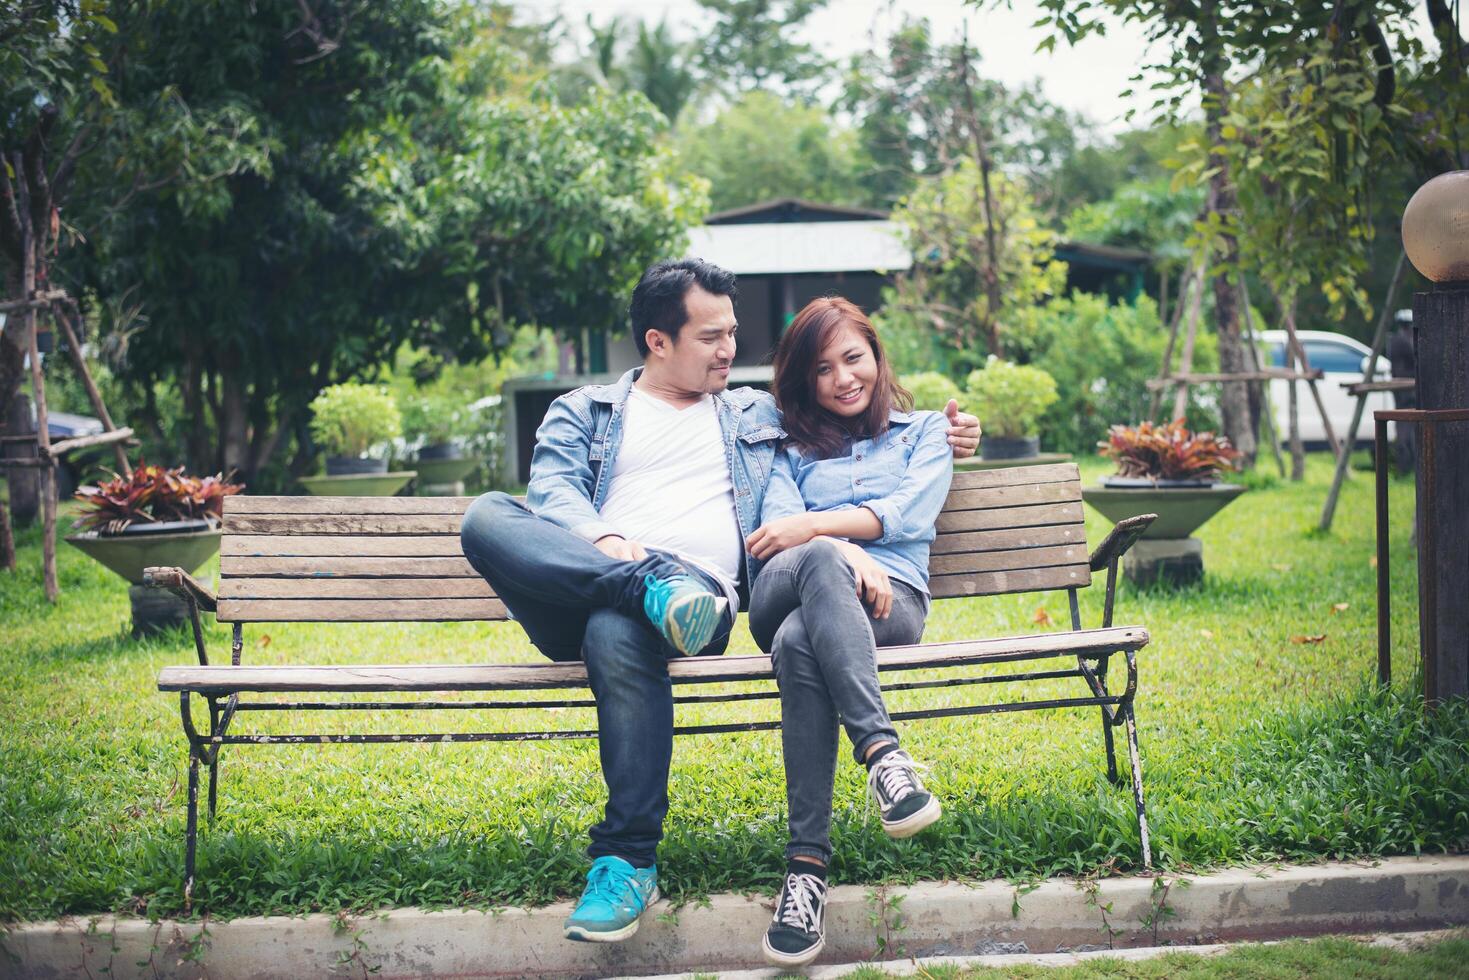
<point x="577" y="443"/>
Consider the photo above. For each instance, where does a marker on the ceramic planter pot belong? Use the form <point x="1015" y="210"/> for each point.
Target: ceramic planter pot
<point x="384" y="484"/>
<point x="181" y="544"/>
<point x="443" y="476"/>
<point x="1166" y="551"/>
<point x="1002" y="447"/>
<point x="354" y="465"/>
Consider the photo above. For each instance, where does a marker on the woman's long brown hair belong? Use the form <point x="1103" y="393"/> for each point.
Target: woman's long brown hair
<point x="809" y="427"/>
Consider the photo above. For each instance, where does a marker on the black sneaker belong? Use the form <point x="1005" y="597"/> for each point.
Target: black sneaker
<point x="906" y="807"/>
<point x="798" y="932"/>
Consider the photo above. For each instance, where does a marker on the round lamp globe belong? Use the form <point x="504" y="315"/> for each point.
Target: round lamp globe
<point x="1436" y="228"/>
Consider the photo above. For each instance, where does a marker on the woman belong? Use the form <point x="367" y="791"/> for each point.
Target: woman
<point x="845" y="530"/>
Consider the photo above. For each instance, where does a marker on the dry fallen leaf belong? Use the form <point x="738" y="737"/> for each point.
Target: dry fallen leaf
<point x="1311" y="638"/>
<point x="1041" y="616"/>
<point x="264" y="641"/>
<point x="1207" y="634"/>
<point x="1372" y="561"/>
<point x="1337" y="607"/>
<point x="1281" y="568"/>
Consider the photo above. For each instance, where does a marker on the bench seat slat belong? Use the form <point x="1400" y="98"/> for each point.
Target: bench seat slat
<point x="344" y="523"/>
<point x="1002" y="561"/>
<point x="343" y="545"/>
<point x="1009" y="517"/>
<point x="1008" y="538"/>
<point x="1001" y="583"/>
<point x="308" y="505"/>
<point x="353" y="567"/>
<point x="994" y="497"/>
<point x="691" y="670"/>
<point x="966" y="479"/>
<point x="360" y="610"/>
<point x="355" y="588"/>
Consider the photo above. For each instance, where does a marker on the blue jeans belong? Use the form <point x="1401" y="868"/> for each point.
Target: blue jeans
<point x="576" y="603"/>
<point x="805" y="610"/>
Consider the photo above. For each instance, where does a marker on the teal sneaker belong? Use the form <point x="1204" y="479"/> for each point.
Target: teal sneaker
<point x="685" y="613"/>
<point x="615" y="896"/>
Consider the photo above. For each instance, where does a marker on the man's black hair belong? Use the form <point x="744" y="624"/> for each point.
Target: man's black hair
<point x="658" y="300"/>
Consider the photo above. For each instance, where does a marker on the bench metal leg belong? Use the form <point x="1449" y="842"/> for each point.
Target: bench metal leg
<point x="1107" y="723"/>
<point x="1129" y="719"/>
<point x="191" y="831"/>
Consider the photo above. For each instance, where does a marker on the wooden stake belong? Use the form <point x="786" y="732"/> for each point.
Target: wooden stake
<point x="1191" y="281"/>
<point x="1267" y="409"/>
<point x="38" y="384"/>
<point x="1186" y="361"/>
<point x="1294" y="342"/>
<point x="7" y="540"/>
<point x="98" y="406"/>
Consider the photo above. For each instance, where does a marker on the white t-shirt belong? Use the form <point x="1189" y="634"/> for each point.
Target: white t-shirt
<point x="671" y="489"/>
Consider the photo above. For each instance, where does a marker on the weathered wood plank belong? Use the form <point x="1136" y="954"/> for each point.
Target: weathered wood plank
<point x="353" y="567"/>
<point x="1000" y="561"/>
<point x="241" y="504"/>
<point x="1012" y="476"/>
<point x="1020" y="537"/>
<point x="355" y="588"/>
<point x="344" y="523"/>
<point x="340" y="545"/>
<point x="1032" y="493"/>
<point x="360" y="610"/>
<point x="1010" y="517"/>
<point x="690" y="670"/>
<point x="1000" y="583"/>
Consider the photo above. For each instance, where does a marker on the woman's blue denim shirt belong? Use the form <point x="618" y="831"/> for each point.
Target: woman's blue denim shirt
<point x="902" y="476"/>
<point x="577" y="444"/>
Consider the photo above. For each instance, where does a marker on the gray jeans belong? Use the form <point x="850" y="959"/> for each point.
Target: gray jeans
<point x="804" y="610"/>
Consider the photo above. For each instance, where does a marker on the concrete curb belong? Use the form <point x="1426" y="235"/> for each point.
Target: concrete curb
<point x="925" y="966"/>
<point x="863" y="924"/>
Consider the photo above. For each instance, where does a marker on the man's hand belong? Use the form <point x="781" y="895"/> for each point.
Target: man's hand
<point x="771" y="539"/>
<point x="964" y="431"/>
<point x="616" y="546"/>
<point x="873" y="585"/>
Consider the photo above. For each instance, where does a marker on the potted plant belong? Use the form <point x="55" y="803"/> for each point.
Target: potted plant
<point x="1174" y="473"/>
<point x="437" y="423"/>
<point x="349" y="420"/>
<point x="1010" y="400"/>
<point x="157" y="516"/>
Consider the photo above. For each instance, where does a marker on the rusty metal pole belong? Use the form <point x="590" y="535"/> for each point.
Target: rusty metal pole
<point x="1436" y="239"/>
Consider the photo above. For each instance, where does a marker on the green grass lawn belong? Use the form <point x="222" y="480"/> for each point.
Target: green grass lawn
<point x="1327" y="959"/>
<point x="1255" y="748"/>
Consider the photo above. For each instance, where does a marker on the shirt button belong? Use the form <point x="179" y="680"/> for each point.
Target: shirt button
<point x="859" y="455"/>
<point x="859" y="481"/>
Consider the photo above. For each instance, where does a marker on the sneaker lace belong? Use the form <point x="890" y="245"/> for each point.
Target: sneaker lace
<point x="894" y="776"/>
<point x="799" y="902"/>
<point x="611" y="884"/>
<point x="658" y="592"/>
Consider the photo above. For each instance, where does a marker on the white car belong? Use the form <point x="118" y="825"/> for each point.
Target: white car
<point x="1343" y="360"/>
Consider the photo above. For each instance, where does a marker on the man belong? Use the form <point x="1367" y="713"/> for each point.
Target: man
<point x="629" y="549"/>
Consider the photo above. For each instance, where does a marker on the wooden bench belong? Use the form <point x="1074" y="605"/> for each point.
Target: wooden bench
<point x="390" y="559"/>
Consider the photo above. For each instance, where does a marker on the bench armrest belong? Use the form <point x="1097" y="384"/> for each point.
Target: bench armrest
<point x="181" y="584"/>
<point x="1122" y="537"/>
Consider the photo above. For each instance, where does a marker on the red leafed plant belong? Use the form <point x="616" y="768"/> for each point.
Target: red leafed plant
<point x="1168" y="452"/>
<point x="153" y="494"/>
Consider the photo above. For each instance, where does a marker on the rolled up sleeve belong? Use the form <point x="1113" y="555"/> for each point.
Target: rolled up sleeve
<point x="909" y="512"/>
<point x="561" y="478"/>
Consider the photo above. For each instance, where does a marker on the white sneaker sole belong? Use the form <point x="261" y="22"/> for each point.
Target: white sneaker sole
<point x="778" y="958"/>
<point x="692" y="622"/>
<point x="582" y="935"/>
<point x="914" y="822"/>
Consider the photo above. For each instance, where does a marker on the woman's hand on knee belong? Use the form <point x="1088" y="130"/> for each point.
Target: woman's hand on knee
<point x="781" y="535"/>
<point x="873" y="585"/>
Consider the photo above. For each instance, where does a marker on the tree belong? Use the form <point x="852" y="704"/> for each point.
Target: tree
<point x="763" y="147"/>
<point x="650" y="60"/>
<point x="750" y="45"/>
<point x="421" y="184"/>
<point x="912" y="104"/>
<point x="948" y="223"/>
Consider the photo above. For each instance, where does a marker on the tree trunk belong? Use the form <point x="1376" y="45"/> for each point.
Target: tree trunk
<point x="234" y="439"/>
<point x="25" y="483"/>
<point x="1234" y="399"/>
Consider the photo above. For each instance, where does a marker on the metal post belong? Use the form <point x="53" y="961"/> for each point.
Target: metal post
<point x="1384" y="594"/>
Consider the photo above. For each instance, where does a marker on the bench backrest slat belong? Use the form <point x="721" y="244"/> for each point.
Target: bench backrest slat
<point x="389" y="559"/>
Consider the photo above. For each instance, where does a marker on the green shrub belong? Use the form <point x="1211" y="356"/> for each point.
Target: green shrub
<point x="1102" y="355"/>
<point x="931" y="391"/>
<point x="1009" y="398"/>
<point x="347" y="419"/>
<point x="434" y="417"/>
